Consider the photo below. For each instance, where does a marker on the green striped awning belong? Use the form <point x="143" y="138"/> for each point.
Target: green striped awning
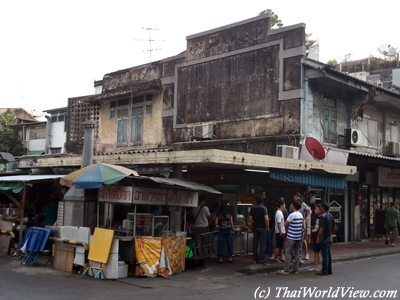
<point x="324" y="180"/>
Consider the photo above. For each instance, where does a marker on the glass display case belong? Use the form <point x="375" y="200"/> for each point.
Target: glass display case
<point x="143" y="224"/>
<point x="160" y="225"/>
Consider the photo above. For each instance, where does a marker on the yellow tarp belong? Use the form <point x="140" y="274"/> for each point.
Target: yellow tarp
<point x="160" y="256"/>
<point x="148" y="254"/>
<point x="101" y="245"/>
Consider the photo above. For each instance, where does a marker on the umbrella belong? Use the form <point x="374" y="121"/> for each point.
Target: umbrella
<point x="96" y="175"/>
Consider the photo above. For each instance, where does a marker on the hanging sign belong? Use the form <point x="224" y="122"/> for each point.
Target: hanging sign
<point x="182" y="198"/>
<point x="151" y="196"/>
<point x="388" y="177"/>
<point x="116" y="194"/>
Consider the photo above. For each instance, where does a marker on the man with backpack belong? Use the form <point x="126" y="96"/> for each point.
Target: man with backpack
<point x="200" y="217"/>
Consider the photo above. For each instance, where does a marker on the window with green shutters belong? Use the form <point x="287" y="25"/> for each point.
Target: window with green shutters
<point x="330" y="121"/>
<point x="122" y="126"/>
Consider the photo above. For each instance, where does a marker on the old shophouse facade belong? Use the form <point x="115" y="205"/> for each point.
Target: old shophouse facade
<point x="235" y="99"/>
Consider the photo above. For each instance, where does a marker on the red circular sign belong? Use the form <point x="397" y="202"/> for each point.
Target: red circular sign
<point x="315" y="148"/>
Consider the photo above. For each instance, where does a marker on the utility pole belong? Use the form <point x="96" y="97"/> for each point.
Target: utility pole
<point x="150" y="40"/>
<point x="346" y="58"/>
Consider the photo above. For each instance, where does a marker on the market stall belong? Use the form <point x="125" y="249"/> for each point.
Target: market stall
<point x="142" y="217"/>
<point x="141" y="211"/>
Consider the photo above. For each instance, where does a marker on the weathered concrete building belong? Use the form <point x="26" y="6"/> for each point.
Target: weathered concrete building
<point x="246" y="89"/>
<point x="237" y="87"/>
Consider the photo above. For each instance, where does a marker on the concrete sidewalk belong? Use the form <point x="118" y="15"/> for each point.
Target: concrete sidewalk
<point x="340" y="252"/>
<point x="214" y="276"/>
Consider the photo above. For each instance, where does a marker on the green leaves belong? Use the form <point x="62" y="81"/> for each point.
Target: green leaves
<point x="9" y="141"/>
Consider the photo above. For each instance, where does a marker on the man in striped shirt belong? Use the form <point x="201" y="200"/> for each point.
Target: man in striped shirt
<point x="295" y="226"/>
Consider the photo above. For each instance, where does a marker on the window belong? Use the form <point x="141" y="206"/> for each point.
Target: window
<point x="123" y="102"/>
<point x="369" y="128"/>
<point x="129" y="118"/>
<point x="57" y="118"/>
<point x="55" y="150"/>
<point x="37" y="133"/>
<point x="330" y="123"/>
<point x="112" y="109"/>
<point x="394" y="133"/>
<point x="136" y="131"/>
<point x="122" y="126"/>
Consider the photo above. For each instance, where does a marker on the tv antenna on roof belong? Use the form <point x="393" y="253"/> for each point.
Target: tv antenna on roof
<point x="150" y="40"/>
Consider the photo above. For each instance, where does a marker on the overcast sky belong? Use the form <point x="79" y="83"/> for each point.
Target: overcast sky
<point x="52" y="50"/>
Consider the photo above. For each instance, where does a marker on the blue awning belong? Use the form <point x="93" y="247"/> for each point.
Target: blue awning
<point x="312" y="179"/>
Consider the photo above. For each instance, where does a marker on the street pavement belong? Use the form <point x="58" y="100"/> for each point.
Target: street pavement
<point x="376" y="268"/>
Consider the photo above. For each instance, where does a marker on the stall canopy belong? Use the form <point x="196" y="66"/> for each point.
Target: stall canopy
<point x="17" y="183"/>
<point x="11" y="180"/>
<point x="14" y="187"/>
<point x="180" y="183"/>
<point x="97" y="175"/>
<point x="313" y="179"/>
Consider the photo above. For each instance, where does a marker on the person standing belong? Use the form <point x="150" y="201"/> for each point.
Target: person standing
<point x="391" y="221"/>
<point x="259" y="222"/>
<point x="325" y="232"/>
<point x="295" y="225"/>
<point x="316" y="247"/>
<point x="280" y="230"/>
<point x="269" y="234"/>
<point x="306" y="212"/>
<point x="225" y="232"/>
<point x="201" y="215"/>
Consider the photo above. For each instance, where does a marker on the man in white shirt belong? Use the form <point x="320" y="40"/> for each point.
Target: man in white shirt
<point x="200" y="225"/>
<point x="280" y="230"/>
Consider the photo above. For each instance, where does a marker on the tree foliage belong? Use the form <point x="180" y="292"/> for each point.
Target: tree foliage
<point x="274" y="19"/>
<point x="332" y="63"/>
<point x="9" y="141"/>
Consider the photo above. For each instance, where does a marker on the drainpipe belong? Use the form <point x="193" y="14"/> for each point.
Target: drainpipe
<point x="48" y="134"/>
<point x="87" y="152"/>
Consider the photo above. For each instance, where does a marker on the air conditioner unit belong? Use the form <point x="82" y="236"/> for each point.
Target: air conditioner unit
<point x="353" y="137"/>
<point x="393" y="148"/>
<point x="287" y="151"/>
<point x="203" y="131"/>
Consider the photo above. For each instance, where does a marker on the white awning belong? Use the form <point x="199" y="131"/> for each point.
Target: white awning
<point x="29" y="178"/>
<point x="182" y="183"/>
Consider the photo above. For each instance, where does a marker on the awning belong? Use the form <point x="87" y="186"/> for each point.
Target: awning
<point x="14" y="187"/>
<point x="311" y="179"/>
<point x="17" y="183"/>
<point x="182" y="183"/>
<point x="28" y="178"/>
<point x="36" y="152"/>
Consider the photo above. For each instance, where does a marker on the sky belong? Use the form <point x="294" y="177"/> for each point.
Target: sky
<point x="51" y="50"/>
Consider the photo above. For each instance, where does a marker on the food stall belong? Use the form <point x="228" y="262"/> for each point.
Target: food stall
<point x="142" y="212"/>
<point x="146" y="213"/>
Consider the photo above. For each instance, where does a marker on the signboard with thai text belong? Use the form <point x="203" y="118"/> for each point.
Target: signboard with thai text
<point x="153" y="196"/>
<point x="116" y="194"/>
<point x="389" y="177"/>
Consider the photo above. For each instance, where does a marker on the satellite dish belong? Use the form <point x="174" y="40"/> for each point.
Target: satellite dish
<point x="315" y="148"/>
